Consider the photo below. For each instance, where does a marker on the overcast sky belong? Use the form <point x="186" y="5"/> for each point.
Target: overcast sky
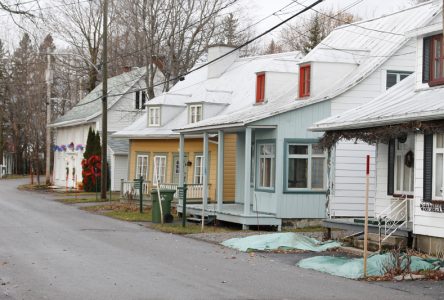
<point x="258" y="9"/>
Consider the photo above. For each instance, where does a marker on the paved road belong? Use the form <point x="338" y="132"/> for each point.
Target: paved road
<point x="53" y="251"/>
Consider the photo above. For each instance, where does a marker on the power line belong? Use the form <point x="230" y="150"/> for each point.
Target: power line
<point x="49" y="7"/>
<point x="220" y="57"/>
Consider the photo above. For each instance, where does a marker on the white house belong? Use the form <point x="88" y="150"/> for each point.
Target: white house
<point x="407" y="125"/>
<point x="281" y="169"/>
<point x="126" y="102"/>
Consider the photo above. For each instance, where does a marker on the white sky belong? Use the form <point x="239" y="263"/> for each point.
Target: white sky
<point x="258" y="9"/>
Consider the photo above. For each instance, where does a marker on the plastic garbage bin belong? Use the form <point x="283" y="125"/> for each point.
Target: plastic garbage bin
<point x="167" y="197"/>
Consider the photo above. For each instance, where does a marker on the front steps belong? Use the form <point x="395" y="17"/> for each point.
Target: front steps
<point x="373" y="242"/>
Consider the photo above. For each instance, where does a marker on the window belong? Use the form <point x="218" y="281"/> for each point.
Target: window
<point x="403" y="168"/>
<point x="433" y="60"/>
<point x="195" y="113"/>
<point x="142" y="166"/>
<point x="393" y="77"/>
<point x="265" y="165"/>
<point x="306" y="167"/>
<point x="260" y="88"/>
<point x="198" y="169"/>
<point x="304" y="81"/>
<point x="154" y="116"/>
<point x="159" y="169"/>
<point x="140" y="99"/>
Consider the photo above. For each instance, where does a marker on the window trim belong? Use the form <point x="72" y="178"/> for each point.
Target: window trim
<point x="201" y="168"/>
<point x="190" y="113"/>
<point x="142" y="154"/>
<point x="287" y="156"/>
<point x="402" y="153"/>
<point x="435" y="151"/>
<point x="165" y="155"/>
<point x="150" y="109"/>
<point x="304" y="81"/>
<point x="258" y="188"/>
<point x="398" y="74"/>
<point x="436" y="81"/>
<point x="260" y="87"/>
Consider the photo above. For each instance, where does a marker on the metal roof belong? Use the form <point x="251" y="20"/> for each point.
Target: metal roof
<point x="368" y="43"/>
<point x="118" y="146"/>
<point x="401" y="103"/>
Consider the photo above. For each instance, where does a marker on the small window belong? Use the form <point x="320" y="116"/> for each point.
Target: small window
<point x="195" y="113"/>
<point x="140" y="99"/>
<point x="260" y="88"/>
<point x="159" y="169"/>
<point x="266" y="157"/>
<point x="142" y="166"/>
<point x="304" y="81"/>
<point x="198" y="169"/>
<point x="154" y="116"/>
<point x="306" y="167"/>
<point x="394" y="77"/>
<point x="433" y="60"/>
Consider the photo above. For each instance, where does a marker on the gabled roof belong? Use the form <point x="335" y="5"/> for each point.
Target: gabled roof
<point x="118" y="146"/>
<point x="367" y="43"/>
<point x="232" y="91"/>
<point x="91" y="106"/>
<point x="400" y="104"/>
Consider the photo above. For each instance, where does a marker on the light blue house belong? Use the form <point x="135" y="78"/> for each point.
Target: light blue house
<point x="282" y="172"/>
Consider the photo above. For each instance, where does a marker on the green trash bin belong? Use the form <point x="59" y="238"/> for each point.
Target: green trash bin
<point x="167" y="197"/>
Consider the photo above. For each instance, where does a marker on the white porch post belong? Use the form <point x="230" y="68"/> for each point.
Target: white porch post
<point x="181" y="162"/>
<point x="205" y="175"/>
<point x="247" y="171"/>
<point x="220" y="170"/>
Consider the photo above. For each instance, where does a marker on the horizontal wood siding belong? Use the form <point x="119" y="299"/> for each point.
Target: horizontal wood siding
<point x="425" y="223"/>
<point x="229" y="167"/>
<point x="119" y="170"/>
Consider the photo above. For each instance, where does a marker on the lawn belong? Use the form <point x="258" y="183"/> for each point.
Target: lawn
<point x="82" y="200"/>
<point x="176" y="228"/>
<point x="33" y="187"/>
<point x="121" y="211"/>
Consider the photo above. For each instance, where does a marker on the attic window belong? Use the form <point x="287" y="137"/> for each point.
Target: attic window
<point x="260" y="88"/>
<point x="433" y="60"/>
<point x="140" y="99"/>
<point x="195" y="113"/>
<point x="304" y="81"/>
<point x="154" y="116"/>
<point x="393" y="77"/>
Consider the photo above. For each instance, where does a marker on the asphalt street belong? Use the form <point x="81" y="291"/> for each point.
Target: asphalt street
<point x="49" y="250"/>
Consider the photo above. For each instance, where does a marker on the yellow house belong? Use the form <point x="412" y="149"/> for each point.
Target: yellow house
<point x="148" y="155"/>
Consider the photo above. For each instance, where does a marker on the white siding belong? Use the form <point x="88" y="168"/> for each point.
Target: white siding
<point x="424" y="223"/>
<point x="119" y="170"/>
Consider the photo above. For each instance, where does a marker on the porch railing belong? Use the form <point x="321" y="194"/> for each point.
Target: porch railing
<point x="396" y="216"/>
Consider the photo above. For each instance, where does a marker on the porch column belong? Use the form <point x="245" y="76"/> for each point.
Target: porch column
<point x="181" y="162"/>
<point x="220" y="170"/>
<point x="205" y="171"/>
<point x="247" y="171"/>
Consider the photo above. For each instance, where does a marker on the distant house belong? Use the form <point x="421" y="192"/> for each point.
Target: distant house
<point x="407" y="126"/>
<point x="126" y="101"/>
<point x="281" y="170"/>
<point x="221" y="88"/>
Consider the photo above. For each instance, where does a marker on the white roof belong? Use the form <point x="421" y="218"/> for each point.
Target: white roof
<point x="234" y="90"/>
<point x="367" y="43"/>
<point x="401" y="103"/>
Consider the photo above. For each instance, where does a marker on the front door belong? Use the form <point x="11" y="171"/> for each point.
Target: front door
<point x="176" y="165"/>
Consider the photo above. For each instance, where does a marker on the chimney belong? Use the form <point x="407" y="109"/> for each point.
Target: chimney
<point x="218" y="67"/>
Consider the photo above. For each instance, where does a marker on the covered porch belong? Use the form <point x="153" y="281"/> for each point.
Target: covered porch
<point x="244" y="210"/>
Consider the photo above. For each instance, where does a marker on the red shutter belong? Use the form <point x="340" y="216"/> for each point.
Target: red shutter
<point x="304" y="81"/>
<point x="260" y="88"/>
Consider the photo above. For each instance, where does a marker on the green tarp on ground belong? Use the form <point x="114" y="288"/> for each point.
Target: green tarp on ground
<point x="276" y="241"/>
<point x="353" y="268"/>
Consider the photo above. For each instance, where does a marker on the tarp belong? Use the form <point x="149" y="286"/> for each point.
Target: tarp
<point x="276" y="241"/>
<point x="353" y="268"/>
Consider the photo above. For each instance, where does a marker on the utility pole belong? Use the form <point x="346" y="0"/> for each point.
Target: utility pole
<point x="48" y="118"/>
<point x="103" y="178"/>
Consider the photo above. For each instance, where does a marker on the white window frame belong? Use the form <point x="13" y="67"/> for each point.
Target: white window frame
<point x="154" y="116"/>
<point x="195" y="113"/>
<point x="436" y="151"/>
<point x="260" y="182"/>
<point x="398" y="76"/>
<point x="198" y="177"/>
<point x="401" y="153"/>
<point x="143" y="168"/>
<point x="309" y="156"/>
<point x="159" y="169"/>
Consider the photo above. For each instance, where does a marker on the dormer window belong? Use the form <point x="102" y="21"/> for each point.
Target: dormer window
<point x="140" y="100"/>
<point x="195" y="112"/>
<point x="260" y="88"/>
<point x="154" y="116"/>
<point x="433" y="60"/>
<point x="304" y="81"/>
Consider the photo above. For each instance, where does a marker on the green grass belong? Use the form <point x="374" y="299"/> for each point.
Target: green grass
<point x="82" y="200"/>
<point x="130" y="216"/>
<point x="176" y="228"/>
<point x="15" y="176"/>
<point x="33" y="187"/>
